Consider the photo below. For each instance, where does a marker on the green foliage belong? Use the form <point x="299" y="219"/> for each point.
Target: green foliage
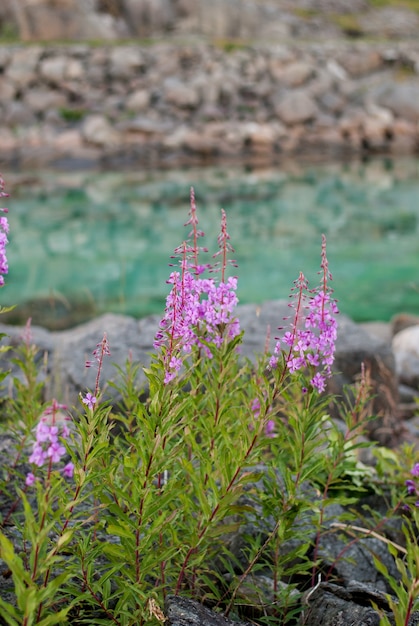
<point x="349" y="23"/>
<point x="72" y="115"/>
<point x="405" y="600"/>
<point x="413" y="5"/>
<point x="161" y="485"/>
<point x="186" y="489"/>
<point x="8" y="33"/>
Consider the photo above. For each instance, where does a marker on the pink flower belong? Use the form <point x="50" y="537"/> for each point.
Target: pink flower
<point x="56" y="451"/>
<point x="30" y="479"/>
<point x="68" y="470"/>
<point x="90" y="400"/>
<point x="270" y="428"/>
<point x="51" y="429"/>
<point x="4" y="229"/>
<point x="199" y="311"/>
<point x="311" y="340"/>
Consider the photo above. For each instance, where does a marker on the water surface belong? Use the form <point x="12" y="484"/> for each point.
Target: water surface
<point x="97" y="242"/>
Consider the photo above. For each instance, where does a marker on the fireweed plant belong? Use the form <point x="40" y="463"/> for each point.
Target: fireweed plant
<point x="203" y="483"/>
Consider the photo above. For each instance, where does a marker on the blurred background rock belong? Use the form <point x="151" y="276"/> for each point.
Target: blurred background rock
<point x="35" y="20"/>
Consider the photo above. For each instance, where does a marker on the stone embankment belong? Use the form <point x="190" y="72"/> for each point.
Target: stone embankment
<point x="170" y="103"/>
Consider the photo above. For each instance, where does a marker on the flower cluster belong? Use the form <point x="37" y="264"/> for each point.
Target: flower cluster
<point x="52" y="428"/>
<point x="413" y="485"/>
<point x="310" y="343"/>
<point x="198" y="310"/>
<point x="4" y="230"/>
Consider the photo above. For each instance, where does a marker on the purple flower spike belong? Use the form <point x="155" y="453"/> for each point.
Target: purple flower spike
<point x="199" y="311"/>
<point x="51" y="430"/>
<point x="311" y="340"/>
<point x="4" y="230"/>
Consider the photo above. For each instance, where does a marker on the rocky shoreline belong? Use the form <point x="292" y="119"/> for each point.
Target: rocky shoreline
<point x="169" y="104"/>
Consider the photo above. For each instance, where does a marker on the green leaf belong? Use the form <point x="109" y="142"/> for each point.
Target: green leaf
<point x="9" y="613"/>
<point x="57" y="618"/>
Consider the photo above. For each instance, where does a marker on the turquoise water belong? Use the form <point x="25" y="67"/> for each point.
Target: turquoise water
<point x="102" y="241"/>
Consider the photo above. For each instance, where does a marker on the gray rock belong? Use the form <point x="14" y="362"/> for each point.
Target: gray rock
<point x="185" y="612"/>
<point x="180" y="94"/>
<point x="40" y="100"/>
<point x="394" y="22"/>
<point x="295" y="107"/>
<point x="402" y="98"/>
<point x="354" y="561"/>
<point x="406" y="351"/>
<point x="21" y="70"/>
<point x="18" y="113"/>
<point x="54" y="69"/>
<point x="98" y="131"/>
<point x="125" y="61"/>
<point x="139" y="100"/>
<point x="148" y="17"/>
<point x="7" y="90"/>
<point x="355" y="347"/>
<point x="295" y="74"/>
<point x="360" y="62"/>
<point x="332" y="605"/>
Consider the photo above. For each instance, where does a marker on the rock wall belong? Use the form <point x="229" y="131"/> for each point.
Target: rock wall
<point x="168" y="103"/>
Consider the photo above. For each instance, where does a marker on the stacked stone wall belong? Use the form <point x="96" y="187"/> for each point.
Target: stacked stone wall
<point x="168" y="103"/>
